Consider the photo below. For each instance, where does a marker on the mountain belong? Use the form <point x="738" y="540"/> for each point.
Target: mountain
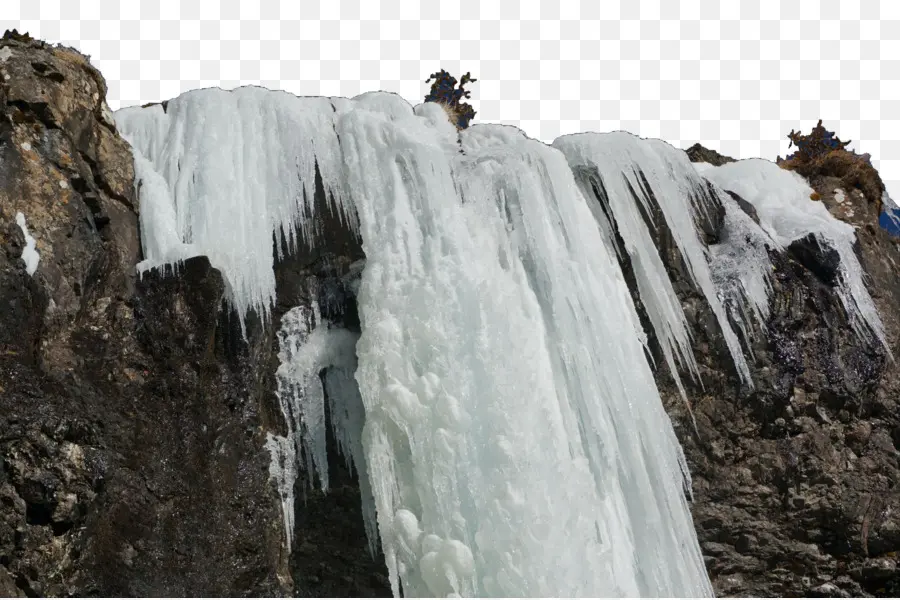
<point x="256" y="344"/>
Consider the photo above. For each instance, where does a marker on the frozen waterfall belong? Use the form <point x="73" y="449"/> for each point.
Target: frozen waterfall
<point x="514" y="438"/>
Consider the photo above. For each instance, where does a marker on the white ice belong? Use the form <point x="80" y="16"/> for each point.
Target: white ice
<point x="741" y="269"/>
<point x="29" y="254"/>
<point x="283" y="467"/>
<point x="612" y="161"/>
<point x="786" y="212"/>
<point x="235" y="172"/>
<point x="514" y="439"/>
<point x="498" y="352"/>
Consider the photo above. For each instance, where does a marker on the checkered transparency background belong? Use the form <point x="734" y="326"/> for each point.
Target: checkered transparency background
<point x="735" y="75"/>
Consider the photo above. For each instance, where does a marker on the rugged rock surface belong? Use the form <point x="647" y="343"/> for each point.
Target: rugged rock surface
<point x="698" y="153"/>
<point x="132" y="411"/>
<point x="796" y="481"/>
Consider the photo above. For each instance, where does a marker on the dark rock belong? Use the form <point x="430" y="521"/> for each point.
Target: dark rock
<point x="698" y="153"/>
<point x="817" y="256"/>
<point x="748" y="208"/>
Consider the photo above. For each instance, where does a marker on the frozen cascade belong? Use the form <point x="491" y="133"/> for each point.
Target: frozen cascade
<point x="493" y="380"/>
<point x="628" y="171"/>
<point x="786" y="213"/>
<point x="515" y="441"/>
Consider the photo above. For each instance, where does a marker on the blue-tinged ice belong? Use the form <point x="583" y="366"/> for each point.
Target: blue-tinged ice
<point x="317" y="363"/>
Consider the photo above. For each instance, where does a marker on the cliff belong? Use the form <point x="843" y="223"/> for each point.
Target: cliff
<point x="795" y="480"/>
<point x="134" y="412"/>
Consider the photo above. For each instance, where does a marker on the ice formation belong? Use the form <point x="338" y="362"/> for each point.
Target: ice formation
<point x="741" y="269"/>
<point x="498" y="352"/>
<point x="29" y="254"/>
<point x="212" y="160"/>
<point x="786" y="213"/>
<point x="317" y="361"/>
<point x="621" y="175"/>
<point x="514" y="439"/>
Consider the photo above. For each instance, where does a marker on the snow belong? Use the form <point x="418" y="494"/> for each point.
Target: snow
<point x="29" y="254"/>
<point x="513" y="437"/>
<point x="613" y="162"/>
<point x="786" y="212"/>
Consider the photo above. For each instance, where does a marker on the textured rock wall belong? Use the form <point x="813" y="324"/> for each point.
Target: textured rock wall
<point x="795" y="482"/>
<point x="129" y="425"/>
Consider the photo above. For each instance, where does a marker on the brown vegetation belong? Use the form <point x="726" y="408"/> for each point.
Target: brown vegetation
<point x="822" y="155"/>
<point x="854" y="171"/>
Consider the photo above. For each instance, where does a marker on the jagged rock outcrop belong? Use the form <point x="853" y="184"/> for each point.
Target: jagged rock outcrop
<point x="698" y="153"/>
<point x="132" y="411"/>
<point x="795" y="481"/>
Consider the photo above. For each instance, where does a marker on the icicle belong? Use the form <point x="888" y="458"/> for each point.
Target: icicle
<point x="318" y="361"/>
<point x="741" y="269"/>
<point x="226" y="171"/>
<point x="616" y="162"/>
<point x="283" y="470"/>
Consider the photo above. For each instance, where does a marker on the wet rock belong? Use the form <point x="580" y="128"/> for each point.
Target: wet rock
<point x="8" y="587"/>
<point x="748" y="208"/>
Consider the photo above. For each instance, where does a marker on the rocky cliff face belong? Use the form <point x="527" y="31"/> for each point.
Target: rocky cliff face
<point x="133" y="412"/>
<point x="795" y="481"/>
